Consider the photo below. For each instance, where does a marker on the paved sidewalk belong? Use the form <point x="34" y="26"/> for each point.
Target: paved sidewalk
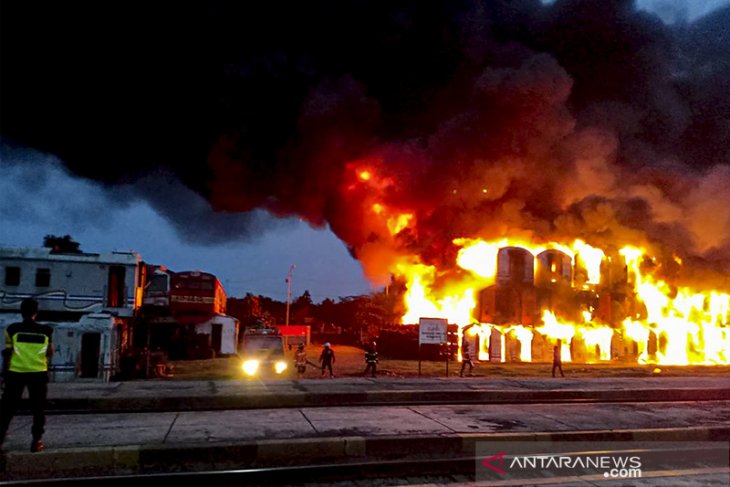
<point x="172" y="395"/>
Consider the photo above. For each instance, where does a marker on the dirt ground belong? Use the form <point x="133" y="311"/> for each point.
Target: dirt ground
<point x="350" y="362"/>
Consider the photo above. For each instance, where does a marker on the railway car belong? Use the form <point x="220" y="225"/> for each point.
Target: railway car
<point x="196" y="293"/>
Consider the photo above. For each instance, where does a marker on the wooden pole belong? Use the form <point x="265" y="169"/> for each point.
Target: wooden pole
<point x="447" y="355"/>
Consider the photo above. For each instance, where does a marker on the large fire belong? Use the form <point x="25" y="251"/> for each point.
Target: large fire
<point x="669" y="325"/>
<point x="518" y="299"/>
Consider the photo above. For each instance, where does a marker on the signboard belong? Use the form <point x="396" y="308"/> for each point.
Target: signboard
<point x="432" y="331"/>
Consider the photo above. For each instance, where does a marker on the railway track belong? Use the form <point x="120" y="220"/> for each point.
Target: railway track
<point x="705" y="464"/>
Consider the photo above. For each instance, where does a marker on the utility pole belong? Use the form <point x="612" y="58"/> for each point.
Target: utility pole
<point x="288" y="291"/>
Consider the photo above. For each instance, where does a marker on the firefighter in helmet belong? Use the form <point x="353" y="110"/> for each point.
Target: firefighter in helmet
<point x="300" y="361"/>
<point x="371" y="359"/>
<point x="327" y="358"/>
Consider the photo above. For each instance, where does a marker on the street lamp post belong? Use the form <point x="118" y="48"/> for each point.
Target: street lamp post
<point x="288" y="291"/>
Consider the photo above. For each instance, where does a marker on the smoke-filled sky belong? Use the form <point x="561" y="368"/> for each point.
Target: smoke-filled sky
<point x="222" y="135"/>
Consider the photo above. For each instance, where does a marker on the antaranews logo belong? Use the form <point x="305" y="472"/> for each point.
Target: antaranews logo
<point x="615" y="466"/>
<point x="488" y="462"/>
<point x="529" y="461"/>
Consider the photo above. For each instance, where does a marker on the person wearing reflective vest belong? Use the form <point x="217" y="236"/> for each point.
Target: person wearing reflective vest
<point x="28" y="348"/>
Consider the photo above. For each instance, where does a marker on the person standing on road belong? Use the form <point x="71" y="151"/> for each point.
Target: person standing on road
<point x="28" y="348"/>
<point x="327" y="357"/>
<point x="371" y="359"/>
<point x="300" y="361"/>
<point x="466" y="358"/>
<point x="557" y="362"/>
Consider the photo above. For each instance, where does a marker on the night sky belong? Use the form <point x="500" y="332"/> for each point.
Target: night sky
<point x="222" y="136"/>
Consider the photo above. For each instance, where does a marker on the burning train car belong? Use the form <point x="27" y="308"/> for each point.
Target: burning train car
<point x="522" y="298"/>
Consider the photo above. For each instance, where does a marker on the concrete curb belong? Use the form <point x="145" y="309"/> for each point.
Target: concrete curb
<point x="305" y="399"/>
<point x="126" y="460"/>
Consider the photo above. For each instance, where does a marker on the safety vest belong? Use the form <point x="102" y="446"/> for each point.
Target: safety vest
<point x="29" y="351"/>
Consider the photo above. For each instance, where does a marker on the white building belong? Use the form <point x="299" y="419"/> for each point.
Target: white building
<point x="89" y="300"/>
<point x="223" y="333"/>
<point x="72" y="283"/>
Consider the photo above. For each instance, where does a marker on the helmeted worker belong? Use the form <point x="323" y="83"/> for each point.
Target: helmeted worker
<point x="327" y="357"/>
<point x="300" y="361"/>
<point x="28" y="347"/>
<point x="371" y="359"/>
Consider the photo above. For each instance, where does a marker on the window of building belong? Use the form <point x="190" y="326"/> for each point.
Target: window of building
<point x="42" y="277"/>
<point x="12" y="276"/>
<point x="115" y="287"/>
<point x="159" y="283"/>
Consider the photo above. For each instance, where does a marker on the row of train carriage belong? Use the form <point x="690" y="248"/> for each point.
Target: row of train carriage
<point x="105" y="307"/>
<point x="98" y="345"/>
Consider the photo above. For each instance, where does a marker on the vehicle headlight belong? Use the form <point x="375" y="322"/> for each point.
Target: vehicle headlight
<point x="280" y="367"/>
<point x="251" y="366"/>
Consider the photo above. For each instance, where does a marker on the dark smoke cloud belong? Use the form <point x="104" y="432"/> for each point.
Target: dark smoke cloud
<point x="580" y="118"/>
<point x="29" y="174"/>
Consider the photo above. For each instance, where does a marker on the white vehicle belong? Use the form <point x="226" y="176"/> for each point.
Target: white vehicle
<point x="262" y="353"/>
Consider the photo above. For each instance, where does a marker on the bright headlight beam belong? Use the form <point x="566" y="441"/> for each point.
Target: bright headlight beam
<point x="250" y="366"/>
<point x="280" y="367"/>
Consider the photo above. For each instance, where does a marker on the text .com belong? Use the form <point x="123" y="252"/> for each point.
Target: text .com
<point x="623" y="473"/>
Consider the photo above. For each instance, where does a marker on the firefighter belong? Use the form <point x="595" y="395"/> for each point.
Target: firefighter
<point x="300" y="361"/>
<point x="28" y="348"/>
<point x="371" y="359"/>
<point x="557" y="362"/>
<point x="327" y="358"/>
<point x="466" y="358"/>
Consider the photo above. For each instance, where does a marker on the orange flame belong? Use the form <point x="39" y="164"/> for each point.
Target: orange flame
<point x="669" y="325"/>
<point x="662" y="323"/>
<point x="591" y="258"/>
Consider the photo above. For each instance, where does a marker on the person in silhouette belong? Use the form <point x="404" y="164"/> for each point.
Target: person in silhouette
<point x="557" y="362"/>
<point x="300" y="361"/>
<point x="28" y="349"/>
<point x="466" y="359"/>
<point x="327" y="358"/>
<point x="371" y="359"/>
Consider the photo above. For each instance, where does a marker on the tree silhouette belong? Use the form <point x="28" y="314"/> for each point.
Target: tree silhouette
<point x="304" y="301"/>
